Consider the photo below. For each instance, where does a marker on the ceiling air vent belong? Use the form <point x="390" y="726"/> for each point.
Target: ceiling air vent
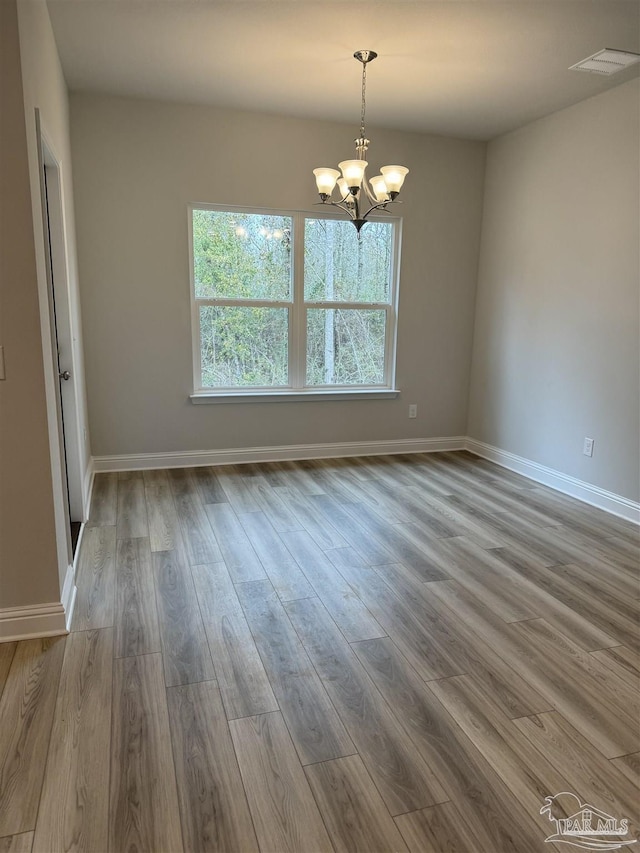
<point x="607" y="61"/>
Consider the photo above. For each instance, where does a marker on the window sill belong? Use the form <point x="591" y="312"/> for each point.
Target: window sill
<point x="205" y="397"/>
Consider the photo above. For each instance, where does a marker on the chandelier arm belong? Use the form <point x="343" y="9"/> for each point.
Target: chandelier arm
<point x="383" y="208"/>
<point x="347" y="209"/>
<point x="370" y="196"/>
<point x="347" y="199"/>
<point x="382" y="204"/>
<point x="344" y="207"/>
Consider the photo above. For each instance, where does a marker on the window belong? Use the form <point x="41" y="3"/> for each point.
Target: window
<point x="285" y="303"/>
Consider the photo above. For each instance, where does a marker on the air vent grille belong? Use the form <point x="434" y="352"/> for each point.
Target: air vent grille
<point x="607" y="61"/>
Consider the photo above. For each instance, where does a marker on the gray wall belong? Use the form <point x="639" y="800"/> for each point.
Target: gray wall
<point x="28" y="559"/>
<point x="137" y="164"/>
<point x="45" y="88"/>
<point x="555" y="354"/>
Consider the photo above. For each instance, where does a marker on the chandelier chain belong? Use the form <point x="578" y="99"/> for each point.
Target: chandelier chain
<point x="364" y="103"/>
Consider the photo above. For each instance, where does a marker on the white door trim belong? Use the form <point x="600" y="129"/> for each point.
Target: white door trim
<point x="47" y="157"/>
<point x="65" y="331"/>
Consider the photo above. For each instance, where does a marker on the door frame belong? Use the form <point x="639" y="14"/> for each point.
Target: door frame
<point x="58" y="334"/>
<point x="61" y="319"/>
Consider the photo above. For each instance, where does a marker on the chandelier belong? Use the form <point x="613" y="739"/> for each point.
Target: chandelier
<point x="354" y="187"/>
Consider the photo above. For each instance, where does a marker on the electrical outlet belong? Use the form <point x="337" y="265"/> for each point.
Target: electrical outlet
<point x="413" y="410"/>
<point x="588" y="447"/>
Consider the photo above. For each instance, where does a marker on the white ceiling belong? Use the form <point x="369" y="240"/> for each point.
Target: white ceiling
<point x="469" y="69"/>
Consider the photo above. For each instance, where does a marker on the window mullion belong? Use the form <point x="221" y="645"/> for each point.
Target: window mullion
<point x="297" y="355"/>
<point x="243" y="303"/>
<point x="357" y="306"/>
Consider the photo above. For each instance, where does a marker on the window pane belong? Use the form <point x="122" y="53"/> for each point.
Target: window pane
<point x="338" y="267"/>
<point x="345" y="346"/>
<point x="241" y="255"/>
<point x="243" y="347"/>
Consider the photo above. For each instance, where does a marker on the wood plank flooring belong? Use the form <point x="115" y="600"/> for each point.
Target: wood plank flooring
<point x="402" y="653"/>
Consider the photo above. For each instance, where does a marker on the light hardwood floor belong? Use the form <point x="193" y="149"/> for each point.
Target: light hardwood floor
<point x="403" y="653"/>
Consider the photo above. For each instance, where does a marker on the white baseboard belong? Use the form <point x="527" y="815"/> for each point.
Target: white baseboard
<point x="42" y="620"/>
<point x="594" y="495"/>
<point x="586" y="492"/>
<point x="70" y="590"/>
<point x="87" y="488"/>
<point x="36" y="620"/>
<point x="191" y="458"/>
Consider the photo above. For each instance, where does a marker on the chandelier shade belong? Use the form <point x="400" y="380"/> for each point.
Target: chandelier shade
<point x="326" y="180"/>
<point x="353" y="172"/>
<point x="394" y="178"/>
<point x="343" y="187"/>
<point x="354" y="188"/>
<point x="379" y="187"/>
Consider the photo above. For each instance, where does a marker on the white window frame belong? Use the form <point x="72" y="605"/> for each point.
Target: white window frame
<point x="297" y="307"/>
